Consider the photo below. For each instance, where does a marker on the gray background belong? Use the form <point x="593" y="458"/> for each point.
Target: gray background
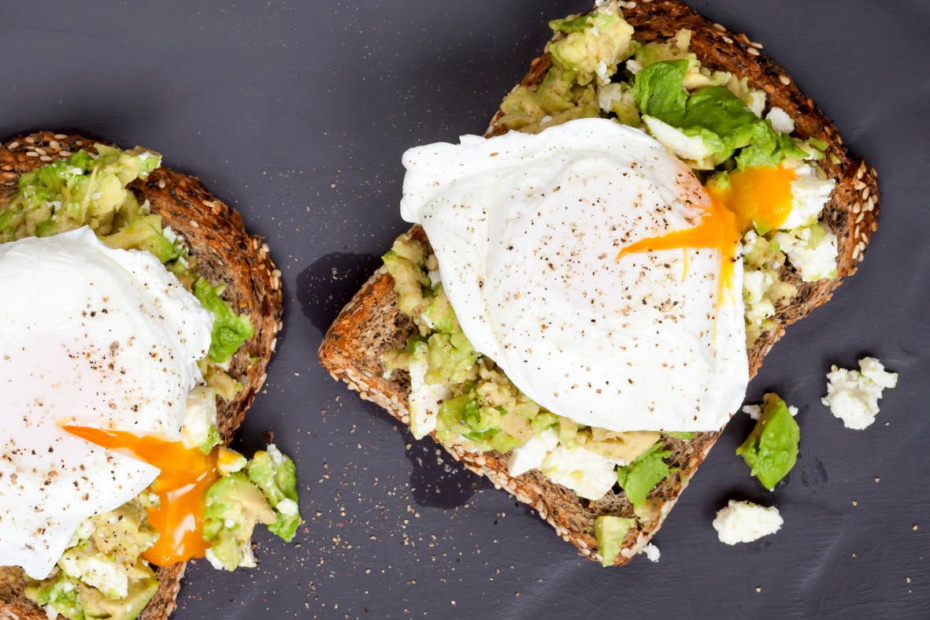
<point x="297" y="114"/>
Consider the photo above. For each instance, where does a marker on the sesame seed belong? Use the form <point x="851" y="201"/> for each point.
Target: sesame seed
<point x="859" y="219"/>
<point x="30" y="140"/>
<point x="13" y="145"/>
<point x="32" y="154"/>
<point x="784" y="79"/>
<point x="45" y="158"/>
<point x="60" y="136"/>
<point x="857" y="208"/>
<point x="720" y="27"/>
<point x="728" y="40"/>
<point x="753" y="51"/>
<point x="756" y="44"/>
<point x="855" y="255"/>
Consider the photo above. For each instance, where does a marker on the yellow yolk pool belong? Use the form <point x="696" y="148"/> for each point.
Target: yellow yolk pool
<point x="186" y="474"/>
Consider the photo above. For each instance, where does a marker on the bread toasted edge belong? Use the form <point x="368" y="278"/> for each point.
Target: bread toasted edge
<point x="226" y="253"/>
<point x="370" y="324"/>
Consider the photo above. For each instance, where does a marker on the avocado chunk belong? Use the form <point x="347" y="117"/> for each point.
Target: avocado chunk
<point x="771" y="450"/>
<point x="274" y="473"/>
<point x="230" y="330"/>
<point x="144" y="233"/>
<point x="641" y="476"/>
<point x="610" y="532"/>
<point x="232" y="507"/>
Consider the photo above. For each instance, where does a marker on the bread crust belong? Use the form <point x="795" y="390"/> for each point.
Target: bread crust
<point x="371" y="323"/>
<point x="225" y="253"/>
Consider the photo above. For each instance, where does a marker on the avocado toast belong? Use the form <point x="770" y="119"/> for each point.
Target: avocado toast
<point x="237" y="277"/>
<point x="372" y="326"/>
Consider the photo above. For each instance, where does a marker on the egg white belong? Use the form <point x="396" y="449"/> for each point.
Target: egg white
<point x="89" y="336"/>
<point x="527" y="229"/>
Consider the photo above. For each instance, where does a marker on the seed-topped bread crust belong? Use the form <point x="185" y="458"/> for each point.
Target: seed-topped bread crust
<point x="371" y="324"/>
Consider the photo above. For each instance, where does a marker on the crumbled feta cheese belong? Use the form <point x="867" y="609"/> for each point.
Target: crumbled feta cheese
<point x="609" y="94"/>
<point x="276" y="455"/>
<point x="781" y="122"/>
<point x="809" y="195"/>
<point x="213" y="560"/>
<point x="743" y="522"/>
<point x="601" y="71"/>
<point x="84" y="531"/>
<point x="587" y="473"/>
<point x="200" y="418"/>
<point x="98" y="571"/>
<point x="755" y="100"/>
<point x="755" y="411"/>
<point x="425" y="398"/>
<point x="852" y="395"/>
<point x="287" y="507"/>
<point x="692" y="148"/>
<point x="169" y="234"/>
<point x="814" y="257"/>
<point x="633" y="66"/>
<point x="531" y="454"/>
<point x="652" y="552"/>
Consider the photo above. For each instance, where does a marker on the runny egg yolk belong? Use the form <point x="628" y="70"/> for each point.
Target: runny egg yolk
<point x="758" y="197"/>
<point x="186" y="474"/>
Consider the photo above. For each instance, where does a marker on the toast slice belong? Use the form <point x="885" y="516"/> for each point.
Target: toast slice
<point x="371" y="324"/>
<point x="225" y="253"/>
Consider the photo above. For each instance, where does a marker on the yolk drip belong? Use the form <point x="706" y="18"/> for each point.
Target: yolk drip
<point x="186" y="474"/>
<point x="758" y="197"/>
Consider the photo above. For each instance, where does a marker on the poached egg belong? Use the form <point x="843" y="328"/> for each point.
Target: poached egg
<point x="593" y="267"/>
<point x="90" y="337"/>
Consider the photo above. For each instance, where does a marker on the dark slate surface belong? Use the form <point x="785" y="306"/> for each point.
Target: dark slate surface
<point x="297" y="113"/>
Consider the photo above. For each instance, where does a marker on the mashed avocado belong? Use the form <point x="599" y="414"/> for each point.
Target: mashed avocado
<point x="771" y="450"/>
<point x="264" y="490"/>
<point x="78" y="191"/>
<point x="585" y="54"/>
<point x="230" y="330"/>
<point x="101" y="575"/>
<point x="592" y="45"/>
<point x="274" y="473"/>
<point x="232" y="507"/>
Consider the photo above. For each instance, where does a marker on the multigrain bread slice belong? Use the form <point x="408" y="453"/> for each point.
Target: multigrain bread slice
<point x="371" y="324"/>
<point x="225" y="253"/>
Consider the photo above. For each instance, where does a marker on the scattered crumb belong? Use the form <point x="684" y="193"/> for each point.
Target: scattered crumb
<point x="758" y="589"/>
